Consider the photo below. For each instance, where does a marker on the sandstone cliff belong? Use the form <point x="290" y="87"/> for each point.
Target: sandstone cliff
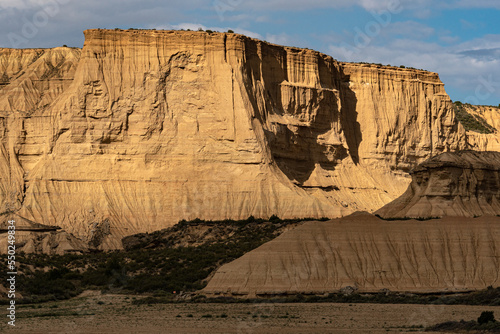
<point x="31" y="237"/>
<point x="363" y="251"/>
<point x="465" y="184"/>
<point x="140" y="129"/>
<point x="490" y="117"/>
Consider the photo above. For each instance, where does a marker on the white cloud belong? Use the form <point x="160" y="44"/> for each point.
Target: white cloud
<point x="48" y="23"/>
<point x="374" y="4"/>
<point x="281" y="39"/>
<point x="263" y="18"/>
<point x="397" y="43"/>
<point x="483" y="54"/>
<point x="25" y="4"/>
<point x="461" y="67"/>
<point x="409" y="29"/>
<point x="286" y="5"/>
<point x="247" y="33"/>
<point x="449" y="39"/>
<point x="490" y="41"/>
<point x="196" y="26"/>
<point x="294" y="4"/>
<point x="477" y="4"/>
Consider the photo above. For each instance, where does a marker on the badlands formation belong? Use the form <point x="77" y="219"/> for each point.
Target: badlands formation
<point x="465" y="184"/>
<point x="140" y="129"/>
<point x="485" y="141"/>
<point x="366" y="253"/>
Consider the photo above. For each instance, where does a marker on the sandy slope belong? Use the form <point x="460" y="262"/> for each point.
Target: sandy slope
<point x="363" y="251"/>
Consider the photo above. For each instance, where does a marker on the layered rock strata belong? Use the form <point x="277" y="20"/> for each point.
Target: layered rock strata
<point x="369" y="254"/>
<point x="455" y="253"/>
<point x="481" y="141"/>
<point x="140" y="129"/>
<point x="31" y="237"/>
<point x="463" y="184"/>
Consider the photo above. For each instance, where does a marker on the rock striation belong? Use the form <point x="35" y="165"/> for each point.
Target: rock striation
<point x="31" y="237"/>
<point x="141" y="129"/>
<point x="481" y="141"/>
<point x="368" y="254"/>
<point x="465" y="184"/>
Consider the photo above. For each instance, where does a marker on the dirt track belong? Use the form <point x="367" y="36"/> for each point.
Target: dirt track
<point x="95" y="313"/>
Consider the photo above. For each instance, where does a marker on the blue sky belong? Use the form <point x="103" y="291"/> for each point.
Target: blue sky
<point x="459" y="39"/>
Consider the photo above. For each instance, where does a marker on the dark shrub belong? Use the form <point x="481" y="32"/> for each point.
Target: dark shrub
<point x="485" y="317"/>
<point x="274" y="218"/>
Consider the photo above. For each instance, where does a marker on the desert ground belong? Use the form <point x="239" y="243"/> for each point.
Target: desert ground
<point x="93" y="312"/>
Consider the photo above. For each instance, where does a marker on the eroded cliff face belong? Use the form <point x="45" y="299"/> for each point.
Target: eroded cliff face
<point x="406" y="115"/>
<point x="32" y="237"/>
<point x="151" y="127"/>
<point x="483" y="141"/>
<point x="454" y="253"/>
<point x="465" y="184"/>
<point x="30" y="81"/>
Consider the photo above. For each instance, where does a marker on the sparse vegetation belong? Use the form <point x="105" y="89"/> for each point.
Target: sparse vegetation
<point x="485" y="324"/>
<point x="406" y="218"/>
<point x="469" y="121"/>
<point x="388" y="65"/>
<point x="489" y="297"/>
<point x="159" y="262"/>
<point x="485" y="317"/>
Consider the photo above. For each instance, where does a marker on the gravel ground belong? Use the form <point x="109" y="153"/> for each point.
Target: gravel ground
<point x="96" y="313"/>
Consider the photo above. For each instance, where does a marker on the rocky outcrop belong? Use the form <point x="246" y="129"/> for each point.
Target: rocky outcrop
<point x="31" y="237"/>
<point x="22" y="224"/>
<point x="368" y="254"/>
<point x="30" y="80"/>
<point x="463" y="184"/>
<point x="141" y="129"/>
<point x="363" y="251"/>
<point x="484" y="141"/>
<point x="51" y="243"/>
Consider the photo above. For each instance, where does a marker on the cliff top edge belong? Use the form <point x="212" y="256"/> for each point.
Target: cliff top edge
<point x="151" y="32"/>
